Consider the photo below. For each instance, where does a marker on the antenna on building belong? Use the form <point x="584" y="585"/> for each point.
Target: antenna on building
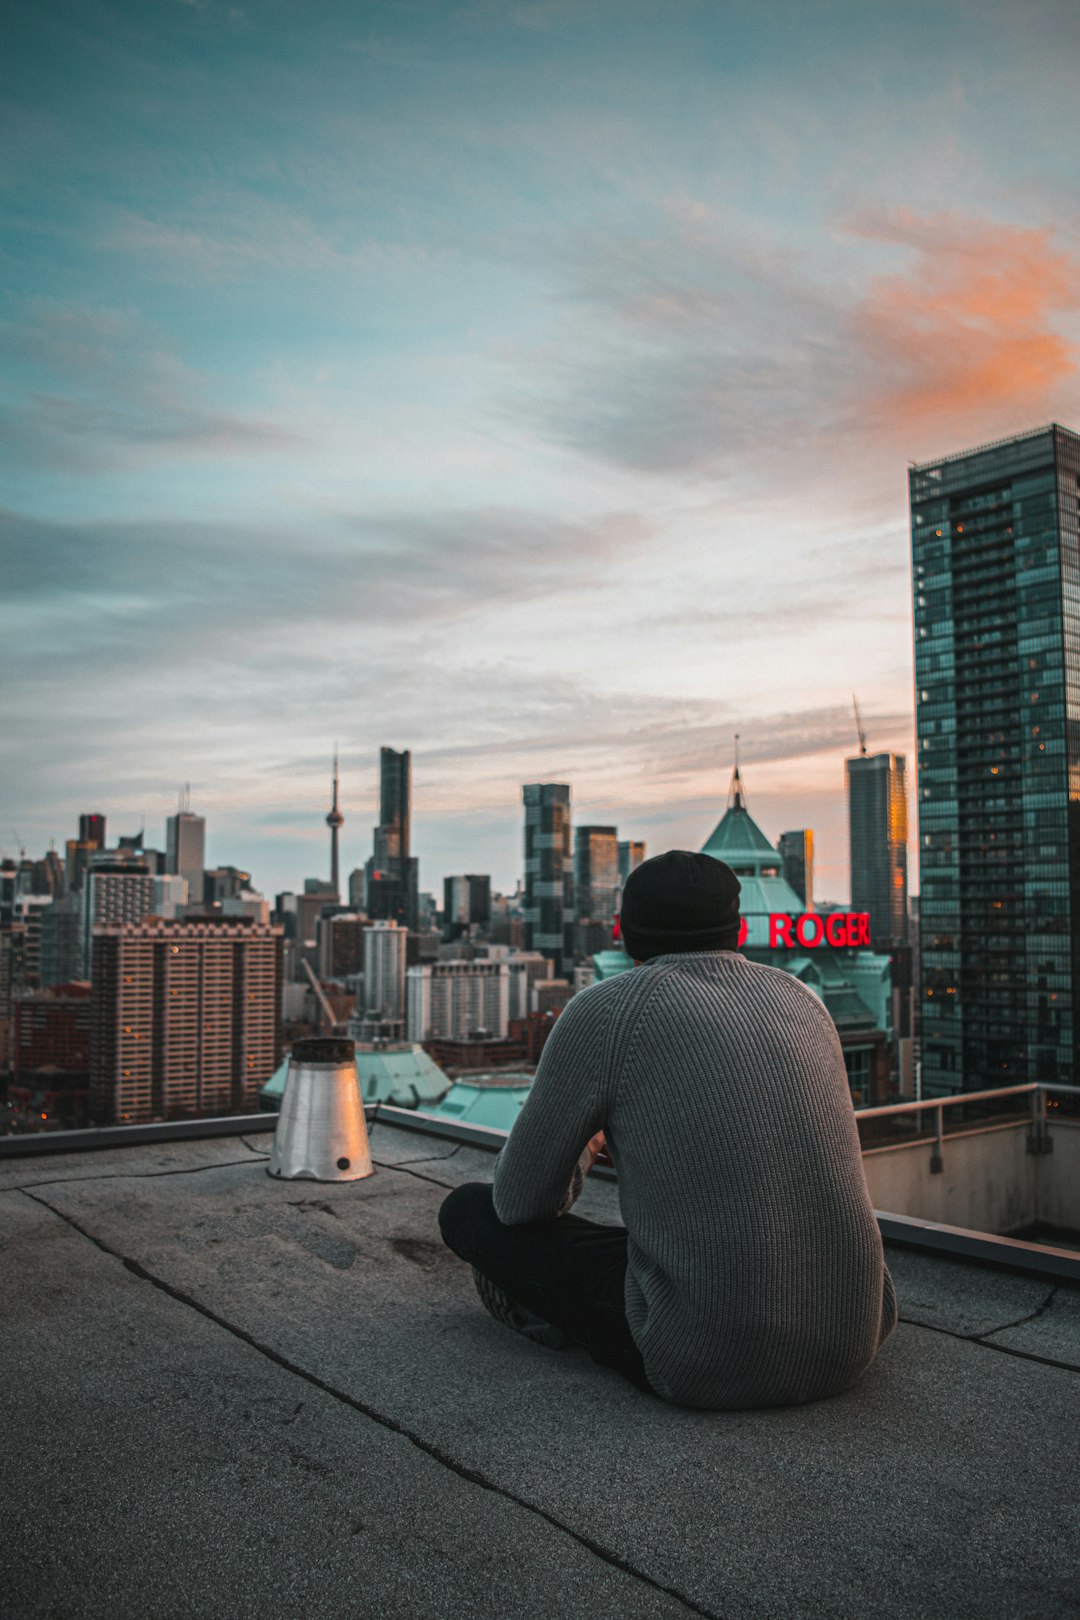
<point x="736" y="795"/>
<point x="859" y="725"/>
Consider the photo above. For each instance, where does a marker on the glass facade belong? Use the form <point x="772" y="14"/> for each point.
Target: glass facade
<point x="996" y="580"/>
<point x="549" y="879"/>
<point x="878" y="840"/>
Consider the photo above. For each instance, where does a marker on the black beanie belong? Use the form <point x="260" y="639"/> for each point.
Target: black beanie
<point x="679" y="902"/>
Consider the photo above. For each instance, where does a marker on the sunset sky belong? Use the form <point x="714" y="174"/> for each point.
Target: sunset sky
<point x="530" y="385"/>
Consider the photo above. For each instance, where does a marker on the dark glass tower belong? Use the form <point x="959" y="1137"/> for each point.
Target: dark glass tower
<point x="391" y="874"/>
<point x="996" y="561"/>
<point x="549" y="882"/>
<point x="877" y="842"/>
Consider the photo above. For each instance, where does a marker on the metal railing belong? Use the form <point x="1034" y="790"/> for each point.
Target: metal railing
<point x="1039" y="1140"/>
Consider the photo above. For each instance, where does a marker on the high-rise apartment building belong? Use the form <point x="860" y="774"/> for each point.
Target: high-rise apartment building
<point x="185" y="851"/>
<point x="391" y="888"/>
<point x="457" y="1001"/>
<point x="124" y="892"/>
<point x="549" y="881"/>
<point x="877" y="844"/>
<point x="185" y="1018"/>
<point x="385" y="949"/>
<point x="996" y="579"/>
<point x="797" y="863"/>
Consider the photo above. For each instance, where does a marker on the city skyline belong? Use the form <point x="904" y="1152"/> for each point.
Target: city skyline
<point x="571" y="368"/>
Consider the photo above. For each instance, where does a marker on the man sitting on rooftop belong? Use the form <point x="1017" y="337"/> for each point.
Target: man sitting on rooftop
<point x="750" y="1270"/>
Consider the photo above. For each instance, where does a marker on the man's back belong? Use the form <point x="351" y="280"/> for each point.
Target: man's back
<point x="755" y="1272"/>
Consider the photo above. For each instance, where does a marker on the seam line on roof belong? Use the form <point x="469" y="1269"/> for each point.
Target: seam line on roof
<point x="134" y="1175"/>
<point x="473" y="1476"/>
<point x="447" y="1186"/>
<point x="989" y="1344"/>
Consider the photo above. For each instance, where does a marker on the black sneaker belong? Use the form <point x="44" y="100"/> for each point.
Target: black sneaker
<point x="514" y="1316"/>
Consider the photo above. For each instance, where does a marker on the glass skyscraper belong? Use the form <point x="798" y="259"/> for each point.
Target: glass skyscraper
<point x="878" y="844"/>
<point x="549" y="879"/>
<point x="996" y="577"/>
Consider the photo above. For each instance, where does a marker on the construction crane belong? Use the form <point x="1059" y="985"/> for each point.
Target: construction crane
<point x="859" y="725"/>
<point x="327" y="1010"/>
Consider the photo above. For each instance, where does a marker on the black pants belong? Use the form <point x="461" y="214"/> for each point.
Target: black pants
<point x="569" y="1271"/>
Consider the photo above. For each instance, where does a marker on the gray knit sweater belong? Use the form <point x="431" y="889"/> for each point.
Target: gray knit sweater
<point x="755" y="1273"/>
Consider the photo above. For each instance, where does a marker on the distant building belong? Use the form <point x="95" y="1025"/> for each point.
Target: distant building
<point x="185" y="1018"/>
<point x="829" y="953"/>
<point x="997" y="684"/>
<point x="457" y="1000"/>
<point x="185" y="850"/>
<point x="62" y="941"/>
<point x="341" y="946"/>
<point x="507" y="926"/>
<point x="384" y="968"/>
<point x="797" y="864"/>
<point x="92" y="830"/>
<point x="549" y="881"/>
<point x="466" y="904"/>
<point x="50" y="1084"/>
<point x="391" y="886"/>
<point x="631" y="855"/>
<point x="77" y="854"/>
<point x="877" y="830"/>
<point x="222" y="883"/>
<point x="596" y="887"/>
<point x="116" y="893"/>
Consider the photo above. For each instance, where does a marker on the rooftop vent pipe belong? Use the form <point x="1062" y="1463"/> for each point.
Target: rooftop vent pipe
<point x="321" y="1132"/>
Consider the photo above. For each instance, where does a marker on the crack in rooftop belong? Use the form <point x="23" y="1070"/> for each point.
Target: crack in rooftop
<point x="471" y="1475"/>
<point x="1001" y="1349"/>
<point x="130" y="1175"/>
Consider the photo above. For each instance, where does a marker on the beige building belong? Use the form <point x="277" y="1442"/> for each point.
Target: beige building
<point x="185" y="1017"/>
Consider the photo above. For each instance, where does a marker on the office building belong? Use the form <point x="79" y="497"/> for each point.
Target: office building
<point x="185" y="1018"/>
<point x="549" y="881"/>
<point x="466" y="904"/>
<point x="457" y="1001"/>
<point x="77" y="856"/>
<point x="384" y="967"/>
<point x="185" y="850"/>
<point x="596" y="877"/>
<point x="631" y="855"/>
<point x="797" y="864"/>
<point x="877" y="843"/>
<point x="92" y="830"/>
<point x="391" y="887"/>
<point x="525" y="969"/>
<point x="996" y="578"/>
<point x="341" y="946"/>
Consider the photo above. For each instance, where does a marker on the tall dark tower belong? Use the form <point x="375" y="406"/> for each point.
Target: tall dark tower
<point x="391" y="877"/>
<point x="335" y="821"/>
<point x="997" y="681"/>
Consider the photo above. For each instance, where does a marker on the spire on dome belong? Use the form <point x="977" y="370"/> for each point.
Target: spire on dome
<point x="736" y="791"/>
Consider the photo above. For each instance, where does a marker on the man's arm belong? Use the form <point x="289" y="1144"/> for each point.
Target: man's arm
<point x="542" y="1168"/>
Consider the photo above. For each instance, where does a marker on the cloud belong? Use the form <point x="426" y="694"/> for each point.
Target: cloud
<point x="699" y="350"/>
<point x="127" y="592"/>
<point x="972" y="327"/>
<point x="101" y="390"/>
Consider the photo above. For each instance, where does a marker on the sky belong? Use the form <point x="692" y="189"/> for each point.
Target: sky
<point x="528" y="385"/>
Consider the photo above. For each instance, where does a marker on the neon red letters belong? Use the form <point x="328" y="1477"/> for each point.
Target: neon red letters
<point x="810" y="930"/>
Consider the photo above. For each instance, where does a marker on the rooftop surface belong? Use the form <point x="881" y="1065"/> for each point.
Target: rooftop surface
<point x="233" y="1396"/>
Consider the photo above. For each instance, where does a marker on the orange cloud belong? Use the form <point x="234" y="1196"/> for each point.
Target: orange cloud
<point x="971" y="329"/>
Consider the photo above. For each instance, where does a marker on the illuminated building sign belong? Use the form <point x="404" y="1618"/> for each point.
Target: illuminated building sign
<point x="809" y="930"/>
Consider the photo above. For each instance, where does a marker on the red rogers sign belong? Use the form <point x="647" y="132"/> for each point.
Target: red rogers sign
<point x="810" y="930"/>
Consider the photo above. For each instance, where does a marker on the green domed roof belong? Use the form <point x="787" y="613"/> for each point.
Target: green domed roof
<point x="738" y="840"/>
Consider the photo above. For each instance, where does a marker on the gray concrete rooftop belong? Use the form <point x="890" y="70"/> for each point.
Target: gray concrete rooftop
<point x="231" y="1396"/>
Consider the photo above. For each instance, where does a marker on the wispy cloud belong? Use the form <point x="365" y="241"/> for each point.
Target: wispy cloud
<point x="102" y="390"/>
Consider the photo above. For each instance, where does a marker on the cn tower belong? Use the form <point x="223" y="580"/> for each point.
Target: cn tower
<point x="335" y="821"/>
